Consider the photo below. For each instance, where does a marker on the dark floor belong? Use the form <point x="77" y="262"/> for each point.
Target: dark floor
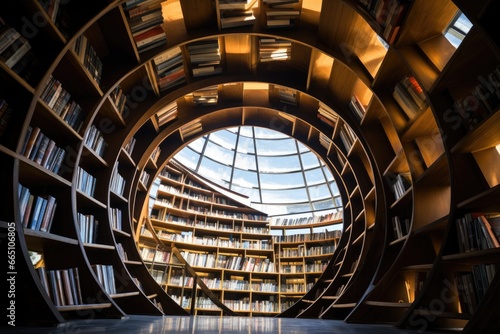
<point x="212" y="324"/>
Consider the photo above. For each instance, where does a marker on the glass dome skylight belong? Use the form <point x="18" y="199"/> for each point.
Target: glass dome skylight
<point x="280" y="175"/>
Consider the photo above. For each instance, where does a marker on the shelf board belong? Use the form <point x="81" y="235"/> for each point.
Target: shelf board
<point x="154" y="295"/>
<point x="132" y="263"/>
<point x="486" y="200"/>
<point x="398" y="241"/>
<point x="480" y="256"/>
<point x="89" y="199"/>
<point x="121" y="233"/>
<point x="124" y="294"/>
<point x="387" y="304"/>
<point x="37" y="240"/>
<point x="345" y="305"/>
<point x="426" y="266"/>
<point x="484" y="136"/>
<point x="69" y="308"/>
<point x="98" y="246"/>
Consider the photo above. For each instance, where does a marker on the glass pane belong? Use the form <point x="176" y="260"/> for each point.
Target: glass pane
<point x="281" y="181"/>
<point x="334" y="188"/>
<point x="314" y="176"/>
<point x="215" y="171"/>
<point x="218" y="153"/>
<point x="224" y="138"/>
<point x="262" y="133"/>
<point x="188" y="158"/>
<point x="323" y="205"/>
<point x="252" y="193"/>
<point x="276" y="146"/>
<point x="197" y="144"/>
<point x="278" y="164"/>
<point x="309" y="160"/>
<point x="284" y="196"/>
<point x="319" y="192"/>
<point x="245" y="178"/>
<point x="246" y="145"/>
<point x="245" y="161"/>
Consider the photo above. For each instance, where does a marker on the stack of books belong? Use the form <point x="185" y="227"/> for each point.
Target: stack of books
<point x="281" y="13"/>
<point x="271" y="49"/>
<point x="327" y="115"/>
<point x="236" y="13"/>
<point x="357" y="108"/>
<point x="205" y="57"/>
<point x="145" y="20"/>
<point x="347" y="136"/>
<point x="167" y="113"/>
<point x="169" y="69"/>
<point x="207" y="96"/>
<point x="410" y="96"/>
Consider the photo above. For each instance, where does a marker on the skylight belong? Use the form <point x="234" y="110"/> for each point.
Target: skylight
<point x="280" y="175"/>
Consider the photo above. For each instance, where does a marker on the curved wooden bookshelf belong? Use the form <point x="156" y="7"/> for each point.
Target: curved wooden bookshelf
<point x="449" y="159"/>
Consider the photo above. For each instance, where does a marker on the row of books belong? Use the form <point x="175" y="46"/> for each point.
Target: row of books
<point x="410" y="96"/>
<point x="154" y="255"/>
<point x="60" y="102"/>
<point x="62" y="285"/>
<point x="291" y="268"/>
<point x="242" y="304"/>
<point x="169" y="69"/>
<point x="306" y="220"/>
<point x="116" y="219"/>
<point x="347" y="136"/>
<point x="94" y="140"/>
<point x="129" y="146"/>
<point x="119" y="100"/>
<point x="145" y="20"/>
<point x="475" y="231"/>
<point x="85" y="182"/>
<point x="42" y="150"/>
<point x="87" y="227"/>
<point x="326" y="235"/>
<point x="117" y="182"/>
<point x="144" y="179"/>
<point x="357" y="108"/>
<point x="16" y="52"/>
<point x="400" y="183"/>
<point x="327" y="115"/>
<point x="106" y="276"/>
<point x="57" y="12"/>
<point x="265" y="306"/>
<point x="317" y="266"/>
<point x="274" y="49"/>
<point x="388" y="14"/>
<point x="6" y="112"/>
<point x="158" y="275"/>
<point x="88" y="57"/>
<point x="401" y="226"/>
<point x="36" y="211"/>
<point x="472" y="285"/>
